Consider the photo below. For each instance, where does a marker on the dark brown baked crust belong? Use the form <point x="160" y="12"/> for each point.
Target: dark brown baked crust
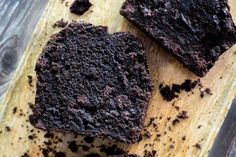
<point x="92" y="83"/>
<point x="196" y="32"/>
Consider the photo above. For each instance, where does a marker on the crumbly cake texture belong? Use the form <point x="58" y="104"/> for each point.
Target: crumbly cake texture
<point x="195" y="32"/>
<point x="92" y="83"/>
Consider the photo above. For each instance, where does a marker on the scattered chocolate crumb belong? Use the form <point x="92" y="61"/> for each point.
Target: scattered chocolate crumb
<point x="206" y="91"/>
<point x="198" y="146"/>
<point x="184" y="138"/>
<point x="88" y="139"/>
<point x="48" y="143"/>
<point x="49" y="135"/>
<point x="14" y="110"/>
<point x="170" y="92"/>
<point x="25" y="155"/>
<point x="31" y="105"/>
<point x="85" y="148"/>
<point x="73" y="146"/>
<point x="140" y="138"/>
<point x="175" y="121"/>
<point x="182" y="115"/>
<point x="60" y="24"/>
<point x="30" y="80"/>
<point x="93" y="155"/>
<point x="45" y="152"/>
<point x="150" y="153"/>
<point x="31" y="137"/>
<point x="60" y="154"/>
<point x="152" y="119"/>
<point x="79" y="7"/>
<point x="171" y="146"/>
<point x="199" y="126"/>
<point x="111" y="150"/>
<point x="147" y="134"/>
<point x="7" y="128"/>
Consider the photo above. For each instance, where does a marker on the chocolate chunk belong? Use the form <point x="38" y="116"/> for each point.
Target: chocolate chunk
<point x="61" y="24"/>
<point x="80" y="6"/>
<point x="170" y="92"/>
<point x="92" y="83"/>
<point x="195" y="32"/>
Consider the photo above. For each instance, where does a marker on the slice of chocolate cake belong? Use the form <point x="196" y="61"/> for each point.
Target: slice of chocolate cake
<point x="196" y="32"/>
<point x="92" y="83"/>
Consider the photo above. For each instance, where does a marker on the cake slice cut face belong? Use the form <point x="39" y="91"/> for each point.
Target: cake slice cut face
<point x="93" y="83"/>
<point x="195" y="32"/>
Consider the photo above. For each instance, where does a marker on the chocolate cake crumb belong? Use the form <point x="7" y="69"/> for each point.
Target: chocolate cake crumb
<point x="175" y="121"/>
<point x="170" y="92"/>
<point x="88" y="139"/>
<point x="25" y="155"/>
<point x="85" y="148"/>
<point x="30" y="80"/>
<point x="14" y="110"/>
<point x="184" y="138"/>
<point x="60" y="154"/>
<point x="206" y="91"/>
<point x="31" y="137"/>
<point x="73" y="146"/>
<point x="111" y="150"/>
<point x="49" y="135"/>
<point x="79" y="7"/>
<point x="150" y="153"/>
<point x="146" y="134"/>
<point x="183" y="115"/>
<point x="7" y="128"/>
<point x="152" y="119"/>
<point x="92" y="155"/>
<point x="171" y="146"/>
<point x="31" y="105"/>
<point x="60" y="24"/>
<point x="198" y="146"/>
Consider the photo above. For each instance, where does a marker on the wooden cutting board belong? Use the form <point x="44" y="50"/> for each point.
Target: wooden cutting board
<point x="205" y="114"/>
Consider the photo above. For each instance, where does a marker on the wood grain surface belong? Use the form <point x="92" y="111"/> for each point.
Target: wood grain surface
<point x="205" y="114"/>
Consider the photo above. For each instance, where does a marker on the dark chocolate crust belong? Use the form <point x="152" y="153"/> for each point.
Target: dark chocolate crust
<point x="92" y="83"/>
<point x="196" y="32"/>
